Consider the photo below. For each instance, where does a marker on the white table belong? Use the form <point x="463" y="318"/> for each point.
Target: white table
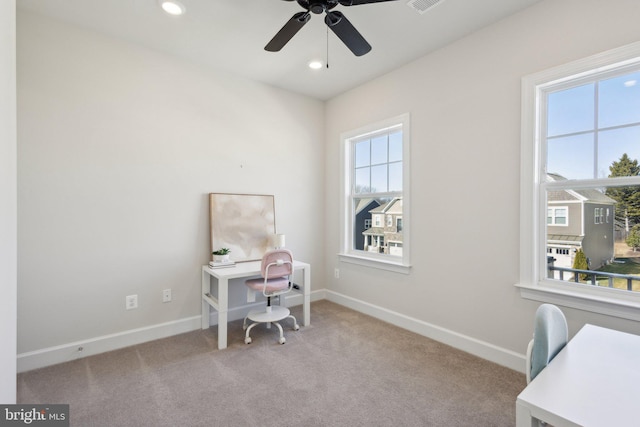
<point x="220" y="302"/>
<point x="594" y="381"/>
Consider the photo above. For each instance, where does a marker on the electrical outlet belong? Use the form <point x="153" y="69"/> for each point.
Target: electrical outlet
<point x="336" y="273"/>
<point x="131" y="302"/>
<point x="166" y="295"/>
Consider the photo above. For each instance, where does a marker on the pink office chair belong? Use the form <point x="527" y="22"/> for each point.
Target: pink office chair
<point x="277" y="272"/>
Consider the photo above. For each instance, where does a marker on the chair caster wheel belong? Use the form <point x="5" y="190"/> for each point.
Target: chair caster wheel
<point x="247" y="340"/>
<point x="282" y="340"/>
<point x="296" y="327"/>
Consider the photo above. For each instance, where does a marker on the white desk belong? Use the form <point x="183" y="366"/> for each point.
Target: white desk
<point x="594" y="381"/>
<point x="242" y="270"/>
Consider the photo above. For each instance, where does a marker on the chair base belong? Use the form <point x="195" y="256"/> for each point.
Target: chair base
<point x="273" y="314"/>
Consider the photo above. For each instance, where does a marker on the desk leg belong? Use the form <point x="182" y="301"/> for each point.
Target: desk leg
<point x="523" y="416"/>
<point x="223" y="310"/>
<point x="206" y="288"/>
<point x="306" y="303"/>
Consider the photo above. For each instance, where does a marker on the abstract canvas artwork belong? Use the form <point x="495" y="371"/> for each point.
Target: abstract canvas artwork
<point x="244" y="223"/>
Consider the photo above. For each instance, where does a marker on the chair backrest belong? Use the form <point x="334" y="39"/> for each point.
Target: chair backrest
<point x="276" y="263"/>
<point x="550" y="335"/>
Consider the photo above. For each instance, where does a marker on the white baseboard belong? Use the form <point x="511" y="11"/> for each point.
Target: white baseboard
<point x="462" y="342"/>
<point x="66" y="352"/>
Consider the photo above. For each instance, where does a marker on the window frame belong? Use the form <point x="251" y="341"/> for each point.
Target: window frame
<point x="533" y="283"/>
<point x="554" y="216"/>
<point x="347" y="253"/>
<point x="598" y="216"/>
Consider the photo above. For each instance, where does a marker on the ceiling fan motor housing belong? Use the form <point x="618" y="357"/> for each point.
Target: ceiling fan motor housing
<point x="318" y="6"/>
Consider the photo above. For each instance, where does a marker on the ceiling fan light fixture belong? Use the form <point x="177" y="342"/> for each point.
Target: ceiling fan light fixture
<point x="172" y="7"/>
<point x="315" y="65"/>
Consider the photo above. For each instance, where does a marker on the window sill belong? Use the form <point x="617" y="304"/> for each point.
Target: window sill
<point x="595" y="302"/>
<point x="376" y="262"/>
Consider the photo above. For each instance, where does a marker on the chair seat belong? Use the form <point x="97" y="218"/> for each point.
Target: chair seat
<point x="276" y="314"/>
<point x="273" y="285"/>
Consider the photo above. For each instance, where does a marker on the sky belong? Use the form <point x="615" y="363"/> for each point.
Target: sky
<point x="592" y="125"/>
<point x="378" y="163"/>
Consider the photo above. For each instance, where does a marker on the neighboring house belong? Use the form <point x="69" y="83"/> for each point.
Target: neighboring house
<point x="385" y="233"/>
<point x="579" y="219"/>
<point x="363" y="220"/>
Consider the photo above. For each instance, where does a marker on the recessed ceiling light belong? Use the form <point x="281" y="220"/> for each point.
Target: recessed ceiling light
<point x="315" y="65"/>
<point x="172" y="7"/>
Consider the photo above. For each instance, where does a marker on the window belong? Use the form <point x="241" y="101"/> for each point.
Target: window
<point x="375" y="178"/>
<point x="581" y="127"/>
<point x="557" y="216"/>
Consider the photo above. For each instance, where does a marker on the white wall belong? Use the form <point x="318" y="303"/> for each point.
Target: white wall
<point x="464" y="102"/>
<point x="114" y="167"/>
<point x="118" y="148"/>
<point x="8" y="238"/>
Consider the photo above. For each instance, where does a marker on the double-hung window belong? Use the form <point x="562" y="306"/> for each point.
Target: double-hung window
<point x="375" y="198"/>
<point x="580" y="183"/>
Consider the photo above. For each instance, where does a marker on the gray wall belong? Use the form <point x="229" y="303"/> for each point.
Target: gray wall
<point x="464" y="102"/>
<point x="599" y="238"/>
<point x="574" y="218"/>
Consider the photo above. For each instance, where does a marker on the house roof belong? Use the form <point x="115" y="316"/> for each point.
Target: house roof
<point x="564" y="239"/>
<point x="364" y="203"/>
<point x="374" y="231"/>
<point x="583" y="195"/>
<point x="393" y="206"/>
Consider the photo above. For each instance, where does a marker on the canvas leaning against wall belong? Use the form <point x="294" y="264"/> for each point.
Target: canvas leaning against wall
<point x="244" y="223"/>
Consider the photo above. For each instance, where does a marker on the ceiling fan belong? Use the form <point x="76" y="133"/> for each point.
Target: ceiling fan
<point x="335" y="20"/>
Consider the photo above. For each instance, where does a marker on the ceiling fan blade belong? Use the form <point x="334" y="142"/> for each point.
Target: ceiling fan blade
<point x="346" y="32"/>
<point x="357" y="2"/>
<point x="289" y="30"/>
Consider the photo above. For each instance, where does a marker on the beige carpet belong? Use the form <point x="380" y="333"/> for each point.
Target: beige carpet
<point x="345" y="369"/>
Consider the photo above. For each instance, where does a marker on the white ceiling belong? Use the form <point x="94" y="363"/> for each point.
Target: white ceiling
<point x="231" y="34"/>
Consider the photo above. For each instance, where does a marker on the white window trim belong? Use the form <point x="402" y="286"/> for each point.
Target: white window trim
<point x="554" y="216"/>
<point x="598" y="216"/>
<point x="369" y="259"/>
<point x="533" y="283"/>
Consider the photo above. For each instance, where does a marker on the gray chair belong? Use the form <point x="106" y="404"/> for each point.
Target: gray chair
<point x="550" y="335"/>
